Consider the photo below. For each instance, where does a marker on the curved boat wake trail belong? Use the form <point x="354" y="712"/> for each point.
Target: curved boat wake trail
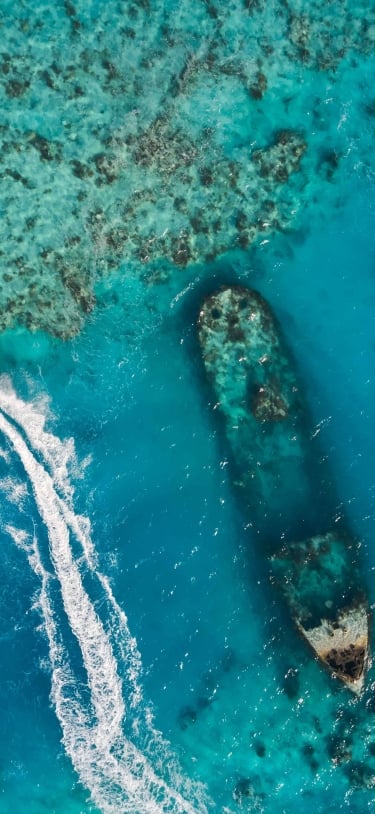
<point x="118" y="773"/>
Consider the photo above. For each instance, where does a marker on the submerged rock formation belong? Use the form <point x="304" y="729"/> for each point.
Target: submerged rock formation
<point x="286" y="488"/>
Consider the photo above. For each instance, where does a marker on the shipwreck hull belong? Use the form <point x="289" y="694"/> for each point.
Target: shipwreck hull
<point x="321" y="582"/>
<point x="265" y="417"/>
<point x="284" y="481"/>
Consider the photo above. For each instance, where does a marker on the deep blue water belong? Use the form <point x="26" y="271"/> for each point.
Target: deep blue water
<point x="222" y="700"/>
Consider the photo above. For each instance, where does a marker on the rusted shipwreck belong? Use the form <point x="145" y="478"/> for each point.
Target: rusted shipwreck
<point x="285" y="483"/>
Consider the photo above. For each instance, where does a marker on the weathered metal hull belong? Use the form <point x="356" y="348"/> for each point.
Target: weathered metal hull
<point x="286" y="486"/>
<point x="321" y="582"/>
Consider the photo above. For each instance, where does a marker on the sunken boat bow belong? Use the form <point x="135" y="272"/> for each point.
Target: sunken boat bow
<point x="267" y="428"/>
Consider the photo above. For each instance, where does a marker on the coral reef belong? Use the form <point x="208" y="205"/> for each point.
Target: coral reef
<point x="170" y="136"/>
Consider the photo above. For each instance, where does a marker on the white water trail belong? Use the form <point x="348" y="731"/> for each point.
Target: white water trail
<point x="58" y="457"/>
<point x="120" y="777"/>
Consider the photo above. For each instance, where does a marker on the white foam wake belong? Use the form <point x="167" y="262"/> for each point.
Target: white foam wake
<point x="119" y="776"/>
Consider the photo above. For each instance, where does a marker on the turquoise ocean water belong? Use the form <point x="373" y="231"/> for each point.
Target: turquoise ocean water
<point x="150" y="153"/>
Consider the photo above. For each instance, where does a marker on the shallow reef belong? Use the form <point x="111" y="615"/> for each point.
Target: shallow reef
<point x="175" y="134"/>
